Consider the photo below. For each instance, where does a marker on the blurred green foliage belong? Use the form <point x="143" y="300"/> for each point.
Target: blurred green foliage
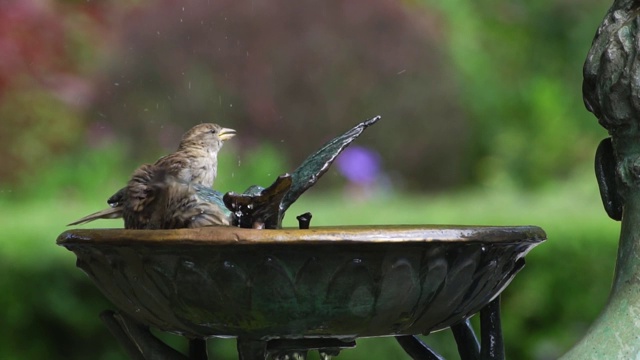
<point x="519" y="66"/>
<point x="260" y="165"/>
<point x="52" y="307"/>
<point x="36" y="128"/>
<point x="82" y="175"/>
<point x="298" y="73"/>
<point x="470" y="93"/>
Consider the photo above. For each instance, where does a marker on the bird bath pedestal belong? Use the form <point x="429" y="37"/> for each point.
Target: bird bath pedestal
<point x="287" y="291"/>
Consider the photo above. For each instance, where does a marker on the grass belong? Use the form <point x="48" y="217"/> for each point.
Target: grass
<point x="545" y="310"/>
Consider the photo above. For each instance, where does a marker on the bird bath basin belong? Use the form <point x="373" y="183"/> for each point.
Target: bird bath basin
<point x="325" y="282"/>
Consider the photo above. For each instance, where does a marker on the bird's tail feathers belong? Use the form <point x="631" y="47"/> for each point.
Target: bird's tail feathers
<point x="110" y="213"/>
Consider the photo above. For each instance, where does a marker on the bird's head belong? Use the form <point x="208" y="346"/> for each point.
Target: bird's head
<point x="207" y="135"/>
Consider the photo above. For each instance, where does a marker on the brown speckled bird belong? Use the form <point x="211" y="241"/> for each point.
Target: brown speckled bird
<point x="195" y="161"/>
<point x="169" y="203"/>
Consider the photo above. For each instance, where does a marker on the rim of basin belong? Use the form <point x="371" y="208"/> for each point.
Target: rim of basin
<point x="223" y="235"/>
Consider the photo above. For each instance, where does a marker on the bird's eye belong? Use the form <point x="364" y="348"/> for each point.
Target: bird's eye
<point x="213" y="131"/>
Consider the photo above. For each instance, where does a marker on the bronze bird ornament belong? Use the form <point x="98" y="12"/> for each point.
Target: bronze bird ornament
<point x="195" y="161"/>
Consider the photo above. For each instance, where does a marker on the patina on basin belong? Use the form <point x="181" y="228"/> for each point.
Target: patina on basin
<point x="338" y="282"/>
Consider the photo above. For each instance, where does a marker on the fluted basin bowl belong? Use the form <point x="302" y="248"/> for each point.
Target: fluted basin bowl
<point x="343" y="282"/>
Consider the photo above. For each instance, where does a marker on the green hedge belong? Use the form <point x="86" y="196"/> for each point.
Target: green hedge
<point x="51" y="308"/>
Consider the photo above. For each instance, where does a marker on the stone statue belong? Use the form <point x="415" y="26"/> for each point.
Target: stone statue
<point x="611" y="91"/>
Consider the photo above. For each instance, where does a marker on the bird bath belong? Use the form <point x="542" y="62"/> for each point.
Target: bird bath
<point x="276" y="289"/>
<point x="283" y="292"/>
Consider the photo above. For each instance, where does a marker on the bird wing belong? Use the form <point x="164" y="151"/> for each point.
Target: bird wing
<point x="173" y="163"/>
<point x="139" y="197"/>
<point x="200" y="214"/>
<point x="178" y="204"/>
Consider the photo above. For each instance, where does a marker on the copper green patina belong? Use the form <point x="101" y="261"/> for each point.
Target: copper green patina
<point x="612" y="92"/>
<point x="328" y="282"/>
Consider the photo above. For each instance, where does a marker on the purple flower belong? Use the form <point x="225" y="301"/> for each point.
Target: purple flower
<point x="359" y="165"/>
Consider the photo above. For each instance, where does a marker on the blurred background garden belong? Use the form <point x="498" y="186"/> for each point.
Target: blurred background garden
<point x="483" y="123"/>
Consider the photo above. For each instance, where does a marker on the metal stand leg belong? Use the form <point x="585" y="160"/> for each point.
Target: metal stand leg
<point x="198" y="349"/>
<point x="140" y="344"/>
<point x="490" y="348"/>
<point x="416" y="348"/>
<point x="136" y="339"/>
<point x="468" y="346"/>
<point x="491" y="332"/>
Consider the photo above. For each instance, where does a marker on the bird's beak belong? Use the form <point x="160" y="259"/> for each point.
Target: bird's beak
<point x="226" y="134"/>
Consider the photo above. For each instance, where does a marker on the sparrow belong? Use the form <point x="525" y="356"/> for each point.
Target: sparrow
<point x="170" y="203"/>
<point x="195" y="161"/>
